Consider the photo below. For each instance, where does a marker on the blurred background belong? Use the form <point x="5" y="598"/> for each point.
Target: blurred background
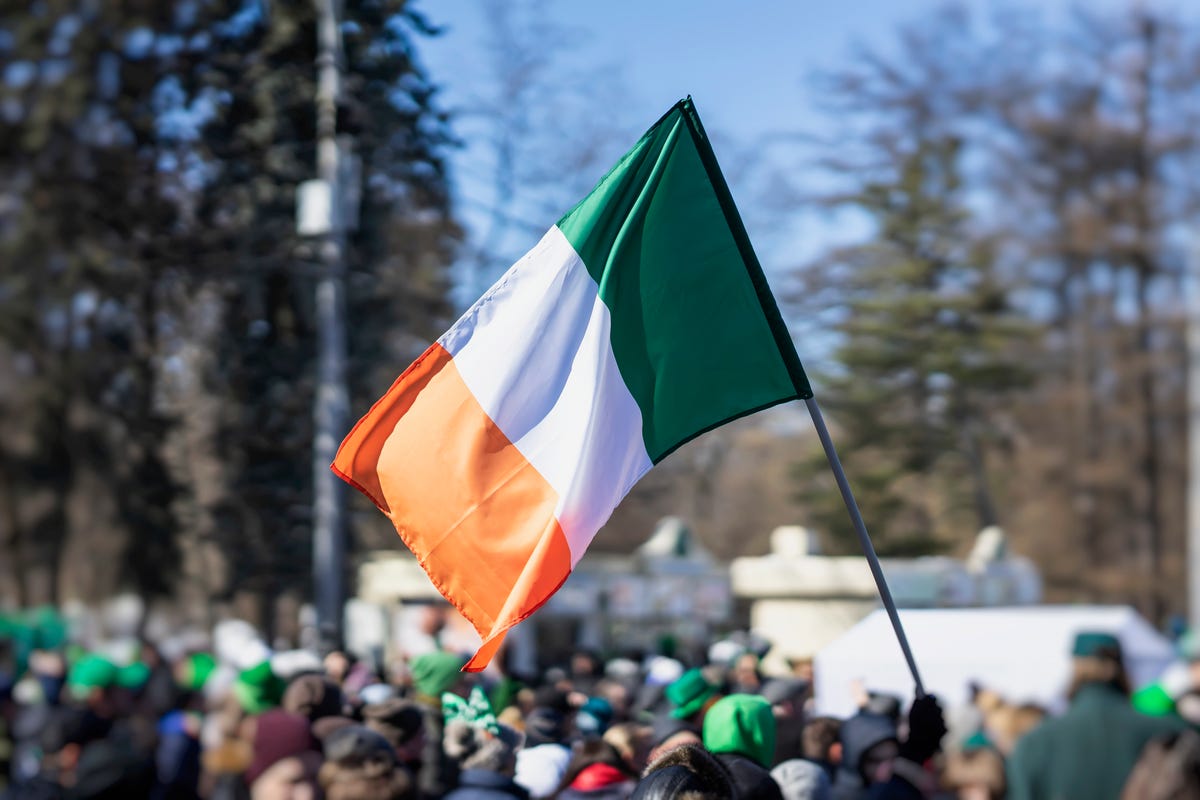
<point x="219" y="218"/>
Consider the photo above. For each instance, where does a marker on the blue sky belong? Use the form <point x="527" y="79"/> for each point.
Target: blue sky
<point x="747" y="65"/>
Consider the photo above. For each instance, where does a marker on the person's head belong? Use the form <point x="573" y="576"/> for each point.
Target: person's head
<point x="1006" y="724"/>
<point x="589" y="753"/>
<point x="633" y="742"/>
<point x="802" y="668"/>
<point x="975" y="774"/>
<point x="744" y="672"/>
<point x="1169" y="768"/>
<point x="593" y="717"/>
<point x="668" y="733"/>
<point x="286" y="757"/>
<point x="1096" y="658"/>
<point x="691" y="695"/>
<point x="360" y="764"/>
<point x="337" y="665"/>
<point x="585" y="664"/>
<point x="312" y="697"/>
<point x="402" y="723"/>
<point x="741" y="724"/>
<point x="786" y="696"/>
<point x="688" y="772"/>
<point x="473" y="747"/>
<point x="544" y="726"/>
<point x="617" y="695"/>
<point x="92" y="684"/>
<point x="869" y="746"/>
<point x="820" y="740"/>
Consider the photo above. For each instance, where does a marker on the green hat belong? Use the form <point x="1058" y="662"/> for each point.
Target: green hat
<point x="1154" y="701"/>
<point x="194" y="671"/>
<point x="742" y="724"/>
<point x="689" y="694"/>
<point x="977" y="741"/>
<point x="48" y="627"/>
<point x="434" y="673"/>
<point x="133" y="676"/>
<point x="258" y="689"/>
<point x="1096" y="644"/>
<point x="91" y="672"/>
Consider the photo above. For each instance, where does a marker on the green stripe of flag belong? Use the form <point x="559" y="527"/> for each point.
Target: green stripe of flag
<point x="695" y="331"/>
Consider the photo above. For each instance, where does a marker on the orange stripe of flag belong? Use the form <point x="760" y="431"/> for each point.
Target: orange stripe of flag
<point x="476" y="514"/>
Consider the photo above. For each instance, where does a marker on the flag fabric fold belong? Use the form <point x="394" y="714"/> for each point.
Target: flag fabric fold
<point x="640" y="320"/>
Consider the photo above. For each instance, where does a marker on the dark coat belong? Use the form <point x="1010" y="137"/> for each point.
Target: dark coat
<point x="482" y="784"/>
<point x="1088" y="752"/>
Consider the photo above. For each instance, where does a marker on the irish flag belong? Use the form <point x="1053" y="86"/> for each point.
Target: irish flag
<point x="640" y="320"/>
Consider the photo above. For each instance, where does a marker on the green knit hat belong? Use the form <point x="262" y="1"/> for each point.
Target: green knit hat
<point x="91" y="672"/>
<point x="258" y="689"/>
<point x="742" y="724"/>
<point x="435" y="673"/>
<point x="193" y="672"/>
<point x="1154" y="701"/>
<point x="689" y="694"/>
<point x="133" y="676"/>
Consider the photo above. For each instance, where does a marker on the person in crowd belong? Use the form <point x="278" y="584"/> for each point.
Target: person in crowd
<point x="801" y="780"/>
<point x="877" y="765"/>
<point x="313" y="697"/>
<point x="691" y="696"/>
<point x="487" y="761"/>
<point x="360" y="764"/>
<point x="596" y="772"/>
<point x="687" y="772"/>
<point x="740" y="731"/>
<point x="632" y="741"/>
<point x="1005" y="725"/>
<point x="586" y="671"/>
<point x="975" y="773"/>
<point x="786" y="696"/>
<point x="744" y="675"/>
<point x="593" y="717"/>
<point x="1168" y="769"/>
<point x="64" y="734"/>
<point x="402" y="723"/>
<point x="667" y="733"/>
<point x="1090" y="750"/>
<point x="286" y="758"/>
<point x="434" y="674"/>
<point x="821" y="744"/>
<point x="543" y="761"/>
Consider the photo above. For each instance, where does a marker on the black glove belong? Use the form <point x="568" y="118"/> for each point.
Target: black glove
<point x="926" y="727"/>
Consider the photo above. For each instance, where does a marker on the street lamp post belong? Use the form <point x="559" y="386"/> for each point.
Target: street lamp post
<point x="321" y="212"/>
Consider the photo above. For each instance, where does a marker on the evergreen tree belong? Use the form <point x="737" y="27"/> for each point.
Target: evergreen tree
<point x="925" y="351"/>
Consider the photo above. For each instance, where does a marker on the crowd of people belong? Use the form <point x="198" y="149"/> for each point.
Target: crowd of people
<point x="228" y="718"/>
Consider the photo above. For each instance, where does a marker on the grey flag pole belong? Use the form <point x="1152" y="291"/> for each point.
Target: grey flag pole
<point x="885" y="594"/>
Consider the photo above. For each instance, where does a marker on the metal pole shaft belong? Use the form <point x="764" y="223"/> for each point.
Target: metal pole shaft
<point x="1192" y="295"/>
<point x="885" y="594"/>
<point x="331" y="402"/>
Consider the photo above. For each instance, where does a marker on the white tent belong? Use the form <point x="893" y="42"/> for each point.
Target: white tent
<point x="1022" y="652"/>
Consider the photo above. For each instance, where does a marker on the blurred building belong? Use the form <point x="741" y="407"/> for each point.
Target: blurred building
<point x="668" y="594"/>
<point x="671" y="594"/>
<point x="802" y="600"/>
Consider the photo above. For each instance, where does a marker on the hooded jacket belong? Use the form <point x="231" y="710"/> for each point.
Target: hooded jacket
<point x="859" y="734"/>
